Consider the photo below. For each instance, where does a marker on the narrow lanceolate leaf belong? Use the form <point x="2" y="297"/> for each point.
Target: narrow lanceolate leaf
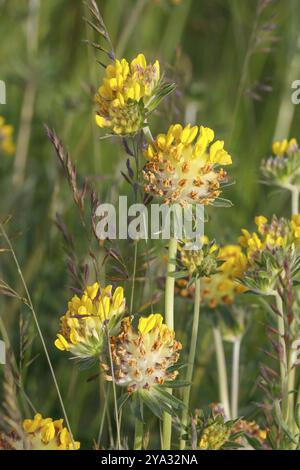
<point x="176" y="384"/>
<point x="152" y="404"/>
<point x="162" y="92"/>
<point x="169" y="399"/>
<point x="122" y="400"/>
<point x="178" y="274"/>
<point x="280" y="421"/>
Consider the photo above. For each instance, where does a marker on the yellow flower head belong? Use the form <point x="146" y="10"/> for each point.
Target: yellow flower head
<point x="270" y="236"/>
<point x="202" y="261"/>
<point x="142" y="355"/>
<point x="214" y="436"/>
<point x="45" y="434"/>
<point x="282" y="168"/>
<point x="234" y="260"/>
<point x="126" y="91"/>
<point x="222" y="287"/>
<point x="84" y="324"/>
<point x="183" y="165"/>
<point x="7" y="145"/>
<point x="284" y="147"/>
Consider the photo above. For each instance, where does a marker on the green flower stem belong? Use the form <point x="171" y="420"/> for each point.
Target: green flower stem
<point x="283" y="360"/>
<point x="291" y="392"/>
<point x="222" y="372"/>
<point x="169" y="319"/>
<point x="295" y="200"/>
<point x="138" y="435"/>
<point x="235" y="378"/>
<point x="133" y="276"/>
<point x="292" y="370"/>
<point x="191" y="360"/>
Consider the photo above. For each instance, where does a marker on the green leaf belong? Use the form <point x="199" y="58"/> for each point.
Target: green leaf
<point x="152" y="404"/>
<point x="161" y="92"/>
<point x="169" y="399"/>
<point x="176" y="384"/>
<point x="253" y="442"/>
<point x="137" y="407"/>
<point x="281" y="423"/>
<point x="178" y="274"/>
<point x="122" y="400"/>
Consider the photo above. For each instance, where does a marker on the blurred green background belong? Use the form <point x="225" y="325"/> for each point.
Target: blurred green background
<point x="233" y="67"/>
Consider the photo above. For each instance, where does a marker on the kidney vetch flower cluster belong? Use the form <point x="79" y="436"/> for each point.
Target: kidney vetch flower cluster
<point x="275" y="243"/>
<point x="89" y="318"/>
<point x="184" y="166"/>
<point x="124" y="98"/>
<point x="143" y="355"/>
<point x="283" y="167"/>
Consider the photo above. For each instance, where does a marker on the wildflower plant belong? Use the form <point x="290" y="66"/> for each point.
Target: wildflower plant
<point x="89" y="319"/>
<point x="139" y="355"/>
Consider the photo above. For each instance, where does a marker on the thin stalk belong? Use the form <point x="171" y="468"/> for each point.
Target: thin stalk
<point x="115" y="396"/>
<point x="133" y="276"/>
<point x="295" y="200"/>
<point x="169" y="318"/>
<point x="31" y="307"/>
<point x="103" y="411"/>
<point x="283" y="359"/>
<point x="138" y="435"/>
<point x="291" y="391"/>
<point x="191" y="359"/>
<point x="235" y="378"/>
<point x="291" y="369"/>
<point x="222" y="372"/>
<point x="113" y="383"/>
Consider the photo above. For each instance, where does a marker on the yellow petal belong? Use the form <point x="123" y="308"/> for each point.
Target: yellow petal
<point x="101" y="121"/>
<point x="48" y="433"/>
<point x="31" y="425"/>
<point x="146" y="324"/>
<point x="118" y="297"/>
<point x="61" y="343"/>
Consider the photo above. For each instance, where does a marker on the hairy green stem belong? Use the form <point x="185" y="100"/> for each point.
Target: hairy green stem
<point x="191" y="360"/>
<point x="235" y="378"/>
<point x="295" y="200"/>
<point x="222" y="372"/>
<point x="169" y="318"/>
<point x="283" y="353"/>
<point x="133" y="277"/>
